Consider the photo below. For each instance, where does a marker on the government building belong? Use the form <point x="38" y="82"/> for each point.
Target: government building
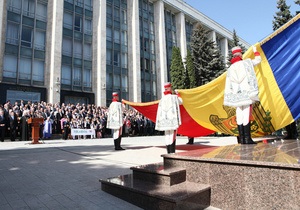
<point x="80" y="51"/>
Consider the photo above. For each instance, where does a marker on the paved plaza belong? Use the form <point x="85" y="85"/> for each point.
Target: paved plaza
<point x="64" y="174"/>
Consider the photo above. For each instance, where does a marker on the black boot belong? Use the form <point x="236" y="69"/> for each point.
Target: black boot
<point x="247" y="134"/>
<point x="116" y="143"/>
<point x="191" y="140"/>
<point x="119" y="144"/>
<point x="240" y="137"/>
<point x="173" y="145"/>
<point x="168" y="148"/>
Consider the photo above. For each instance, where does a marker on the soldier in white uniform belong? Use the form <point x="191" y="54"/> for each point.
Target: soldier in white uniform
<point x="115" y="120"/>
<point x="168" y="116"/>
<point x="241" y="91"/>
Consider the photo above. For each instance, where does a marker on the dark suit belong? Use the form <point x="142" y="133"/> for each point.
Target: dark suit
<point x="2" y="127"/>
<point x="13" y="126"/>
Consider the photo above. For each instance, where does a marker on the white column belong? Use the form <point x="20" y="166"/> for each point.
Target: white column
<point x="160" y="46"/>
<point x="134" y="66"/>
<point x="53" y="52"/>
<point x="181" y="34"/>
<point x="99" y="52"/>
<point x="212" y="36"/>
<point x="3" y="14"/>
<point x="224" y="49"/>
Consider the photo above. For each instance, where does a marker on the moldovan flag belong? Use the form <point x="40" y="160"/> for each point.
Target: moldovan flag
<point x="278" y="78"/>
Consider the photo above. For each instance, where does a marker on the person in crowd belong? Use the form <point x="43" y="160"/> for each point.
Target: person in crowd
<point x="24" y="125"/>
<point x="2" y="125"/>
<point x="115" y="120"/>
<point x="47" y="131"/>
<point x="168" y="117"/>
<point x="241" y="91"/>
<point x="13" y="125"/>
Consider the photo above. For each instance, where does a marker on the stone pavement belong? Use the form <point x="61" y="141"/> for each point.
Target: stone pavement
<point x="64" y="174"/>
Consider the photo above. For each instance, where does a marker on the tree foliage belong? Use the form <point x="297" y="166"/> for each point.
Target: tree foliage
<point x="236" y="42"/>
<point x="177" y="71"/>
<point x="207" y="59"/>
<point x="190" y="71"/>
<point x="283" y="15"/>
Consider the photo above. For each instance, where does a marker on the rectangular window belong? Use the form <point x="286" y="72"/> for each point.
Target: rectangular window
<point x="124" y="60"/>
<point x="124" y="38"/>
<point x="66" y="75"/>
<point x="38" y="70"/>
<point x="14" y="6"/>
<point x="117" y="36"/>
<point x="28" y="8"/>
<point x="10" y="66"/>
<point x="67" y="46"/>
<point x="25" y="68"/>
<point x="12" y="33"/>
<point x="26" y="38"/>
<point x="117" y="81"/>
<point x="68" y="20"/>
<point x="41" y="11"/>
<point x="125" y="82"/>
<point x="116" y="58"/>
<point x="39" y="40"/>
<point x="108" y="34"/>
<point x="87" y="78"/>
<point x="88" y="26"/>
<point x="78" y="23"/>
<point x="77" y="49"/>
<point x="87" y="50"/>
<point x="108" y="57"/>
<point x="77" y="77"/>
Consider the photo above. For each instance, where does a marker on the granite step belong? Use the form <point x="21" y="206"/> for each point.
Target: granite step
<point x="148" y="195"/>
<point x="158" y="174"/>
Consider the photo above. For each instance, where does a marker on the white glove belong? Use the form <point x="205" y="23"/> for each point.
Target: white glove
<point x="254" y="49"/>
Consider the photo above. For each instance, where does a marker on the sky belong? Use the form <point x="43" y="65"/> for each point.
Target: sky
<point x="252" y="20"/>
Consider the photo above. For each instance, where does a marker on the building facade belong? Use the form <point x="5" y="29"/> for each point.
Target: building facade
<point x="80" y="51"/>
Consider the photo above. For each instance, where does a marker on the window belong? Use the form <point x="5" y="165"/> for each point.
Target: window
<point x="12" y="33"/>
<point x="39" y="40"/>
<point x="124" y="60"/>
<point x="87" y="50"/>
<point x="25" y="68"/>
<point x="125" y="82"/>
<point x="117" y="81"/>
<point x="78" y="23"/>
<point x="28" y="8"/>
<point x="108" y="34"/>
<point x="68" y="20"/>
<point x="41" y="11"/>
<point x="117" y="36"/>
<point x="66" y="75"/>
<point x="26" y="38"/>
<point x="38" y="70"/>
<point x="87" y="78"/>
<point x="67" y="46"/>
<point x="10" y="66"/>
<point x="77" y="77"/>
<point x="14" y="6"/>
<point x="108" y="56"/>
<point x="124" y="38"/>
<point x="116" y="58"/>
<point x="77" y="49"/>
<point x="88" y="26"/>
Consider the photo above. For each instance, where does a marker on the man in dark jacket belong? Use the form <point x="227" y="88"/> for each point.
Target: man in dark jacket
<point x="13" y="125"/>
<point x="2" y="125"/>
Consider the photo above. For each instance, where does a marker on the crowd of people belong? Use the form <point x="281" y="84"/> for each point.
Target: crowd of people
<point x="60" y="118"/>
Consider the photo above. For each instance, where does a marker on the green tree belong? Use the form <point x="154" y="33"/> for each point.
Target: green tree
<point x="235" y="42"/>
<point x="297" y="2"/>
<point x="282" y="16"/>
<point x="190" y="71"/>
<point x="205" y="57"/>
<point x="177" y="69"/>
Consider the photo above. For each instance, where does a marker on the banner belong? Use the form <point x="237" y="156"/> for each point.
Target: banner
<point x="82" y="132"/>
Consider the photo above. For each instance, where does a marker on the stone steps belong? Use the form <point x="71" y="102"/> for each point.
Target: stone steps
<point x="154" y="187"/>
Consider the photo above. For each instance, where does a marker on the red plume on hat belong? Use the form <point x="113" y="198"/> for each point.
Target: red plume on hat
<point x="167" y="85"/>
